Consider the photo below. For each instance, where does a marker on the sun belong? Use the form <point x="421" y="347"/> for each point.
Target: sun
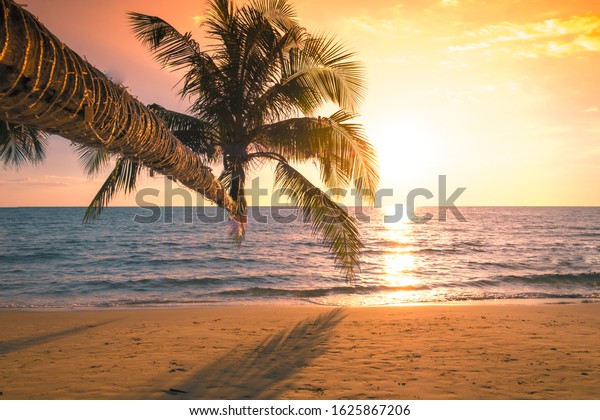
<point x="406" y="148"/>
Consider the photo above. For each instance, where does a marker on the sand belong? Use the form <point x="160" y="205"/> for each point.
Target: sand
<point x="545" y="351"/>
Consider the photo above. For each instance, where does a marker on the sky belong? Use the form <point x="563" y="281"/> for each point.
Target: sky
<point x="500" y="96"/>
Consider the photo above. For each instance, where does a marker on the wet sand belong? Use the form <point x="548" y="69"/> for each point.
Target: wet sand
<point x="523" y="351"/>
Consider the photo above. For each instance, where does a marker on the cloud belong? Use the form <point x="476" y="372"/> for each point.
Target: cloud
<point x="400" y="59"/>
<point x="46" y="181"/>
<point x="393" y="26"/>
<point x="469" y="47"/>
<point x="551" y="37"/>
<point x="449" y="3"/>
<point x="372" y="25"/>
<point x="592" y="109"/>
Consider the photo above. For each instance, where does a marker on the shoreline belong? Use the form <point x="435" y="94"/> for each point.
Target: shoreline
<point x="303" y="304"/>
<point x="303" y="352"/>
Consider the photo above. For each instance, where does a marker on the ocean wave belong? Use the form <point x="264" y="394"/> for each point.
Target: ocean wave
<point x="473" y="244"/>
<point x="305" y="293"/>
<point x="416" y="251"/>
<point x="147" y="284"/>
<point x="155" y="302"/>
<point x="590" y="279"/>
<point x="485" y="264"/>
<point x="440" y="251"/>
<point x="465" y="297"/>
<point x="390" y="243"/>
<point x="31" y="257"/>
<point x="145" y="260"/>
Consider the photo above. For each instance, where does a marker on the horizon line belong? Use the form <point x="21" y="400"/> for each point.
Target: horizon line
<point x="215" y="206"/>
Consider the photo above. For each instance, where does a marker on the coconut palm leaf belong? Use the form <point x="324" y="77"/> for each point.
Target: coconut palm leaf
<point x="176" y="51"/>
<point x="329" y="221"/>
<point x="256" y="48"/>
<point x="220" y="21"/>
<point x="168" y="46"/>
<point x="283" y="101"/>
<point x="198" y="135"/>
<point x="342" y="149"/>
<point x="280" y="13"/>
<point x="225" y="177"/>
<point x="313" y="71"/>
<point x="264" y="49"/>
<point x="123" y="178"/>
<point x="324" y="65"/>
<point x="20" y="144"/>
<point x="93" y="160"/>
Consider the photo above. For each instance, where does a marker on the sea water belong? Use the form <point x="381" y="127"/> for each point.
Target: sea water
<point x="49" y="258"/>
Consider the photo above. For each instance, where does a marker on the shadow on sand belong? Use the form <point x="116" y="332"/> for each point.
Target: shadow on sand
<point x="23" y="343"/>
<point x="255" y="374"/>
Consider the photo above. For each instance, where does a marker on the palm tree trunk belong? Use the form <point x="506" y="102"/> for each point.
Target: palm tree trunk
<point x="46" y="85"/>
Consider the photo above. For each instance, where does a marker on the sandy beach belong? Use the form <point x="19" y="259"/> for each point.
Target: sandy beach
<point x="546" y="351"/>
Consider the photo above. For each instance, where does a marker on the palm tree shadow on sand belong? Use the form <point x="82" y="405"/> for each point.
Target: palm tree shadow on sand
<point x="24" y="343"/>
<point x="272" y="362"/>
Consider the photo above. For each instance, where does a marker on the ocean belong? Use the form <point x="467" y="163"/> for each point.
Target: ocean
<point x="50" y="259"/>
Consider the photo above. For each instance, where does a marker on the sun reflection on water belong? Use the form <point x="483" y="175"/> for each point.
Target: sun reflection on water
<point x="399" y="261"/>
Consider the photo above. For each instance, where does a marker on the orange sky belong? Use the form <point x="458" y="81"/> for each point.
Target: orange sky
<point x="501" y="96"/>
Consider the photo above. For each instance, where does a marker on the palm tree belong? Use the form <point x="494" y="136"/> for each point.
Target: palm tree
<point x="45" y="87"/>
<point x="255" y="92"/>
<point x="255" y="89"/>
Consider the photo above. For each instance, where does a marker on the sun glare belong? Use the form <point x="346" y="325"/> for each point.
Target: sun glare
<point x="406" y="150"/>
<point x="398" y="268"/>
<point x="399" y="261"/>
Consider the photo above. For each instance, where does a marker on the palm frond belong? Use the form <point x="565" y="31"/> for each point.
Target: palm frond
<point x="93" y="160"/>
<point x="282" y="101"/>
<point x="355" y="156"/>
<point x="313" y="71"/>
<point x="198" y="135"/>
<point x="123" y="178"/>
<point x="226" y="177"/>
<point x="220" y="18"/>
<point x="325" y="66"/>
<point x="343" y="151"/>
<point x="280" y="13"/>
<point x="168" y="46"/>
<point x="331" y="223"/>
<point x="267" y="98"/>
<point x="176" y="51"/>
<point x="21" y="144"/>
